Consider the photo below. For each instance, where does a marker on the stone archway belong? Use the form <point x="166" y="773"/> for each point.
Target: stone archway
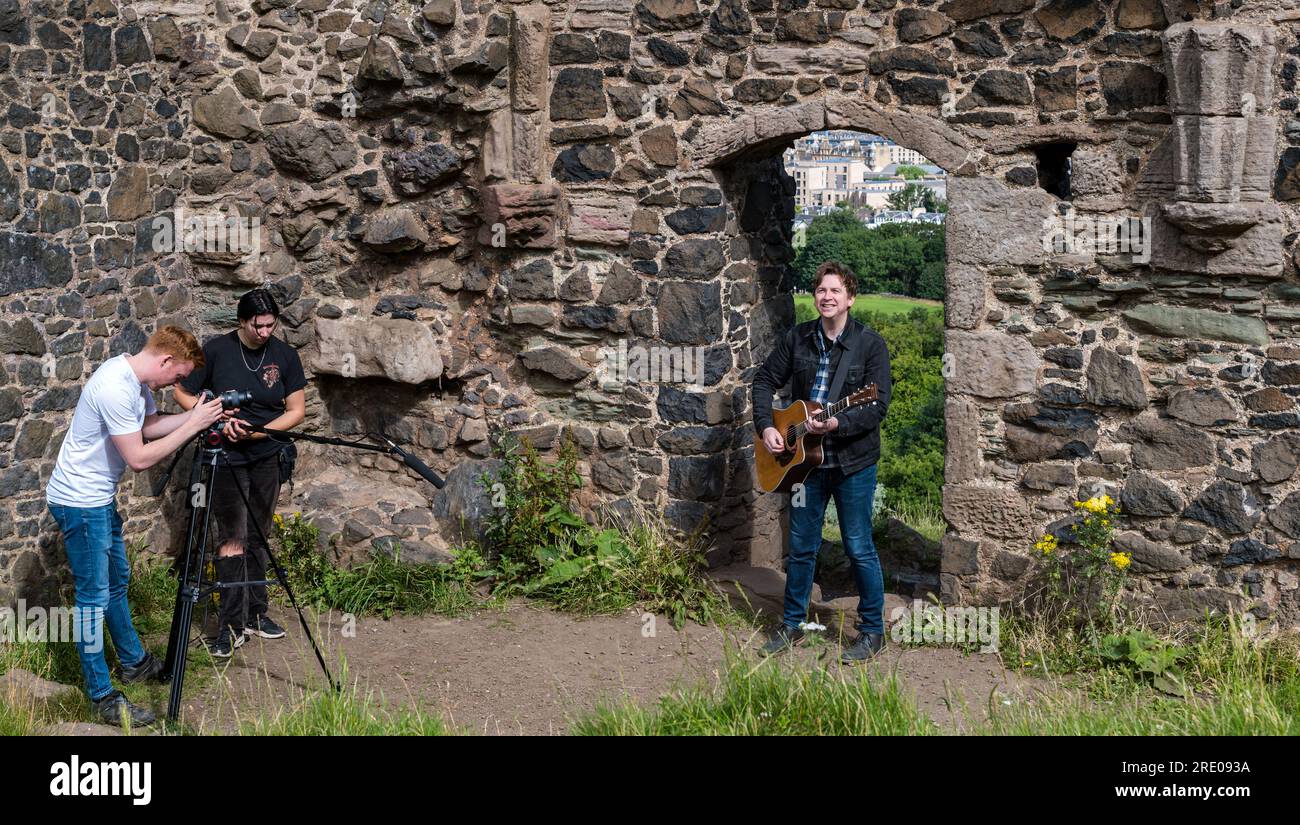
<point x="744" y="155"/>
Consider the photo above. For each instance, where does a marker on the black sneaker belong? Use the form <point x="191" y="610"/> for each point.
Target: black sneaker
<point x="264" y="627"/>
<point x="866" y="647"/>
<point x="150" y="667"/>
<point x="223" y="647"/>
<point x="782" y="639"/>
<point x="114" y="708"/>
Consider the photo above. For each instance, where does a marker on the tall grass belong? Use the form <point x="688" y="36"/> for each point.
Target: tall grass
<point x="151" y="595"/>
<point x="151" y="592"/>
<point x="770" y="698"/>
<point x="22" y="714"/>
<point x="348" y="712"/>
<point x="381" y="586"/>
<point x="1238" y="683"/>
<point x="1240" y="686"/>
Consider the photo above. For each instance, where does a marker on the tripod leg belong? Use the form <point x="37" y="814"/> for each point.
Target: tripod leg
<point x="284" y="582"/>
<point x="190" y="589"/>
<point x="177" y="635"/>
<point x="184" y="613"/>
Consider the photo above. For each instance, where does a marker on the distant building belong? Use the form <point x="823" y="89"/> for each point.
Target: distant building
<point x="824" y="181"/>
<point x="839" y="166"/>
<point x="875" y="151"/>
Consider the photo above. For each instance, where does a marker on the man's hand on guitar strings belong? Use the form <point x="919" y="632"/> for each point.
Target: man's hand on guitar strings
<point x="815" y="427"/>
<point x="773" y="441"/>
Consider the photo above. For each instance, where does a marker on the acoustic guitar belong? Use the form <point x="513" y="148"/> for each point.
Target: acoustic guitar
<point x="803" y="450"/>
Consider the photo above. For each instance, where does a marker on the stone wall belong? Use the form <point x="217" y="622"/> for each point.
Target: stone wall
<point x="465" y="206"/>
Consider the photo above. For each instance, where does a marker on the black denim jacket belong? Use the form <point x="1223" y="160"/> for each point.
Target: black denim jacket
<point x="860" y="358"/>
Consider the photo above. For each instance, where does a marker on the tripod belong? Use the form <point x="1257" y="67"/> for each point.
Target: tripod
<point x="209" y="456"/>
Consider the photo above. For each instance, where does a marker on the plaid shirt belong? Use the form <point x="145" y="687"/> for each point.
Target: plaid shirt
<point x="821" y="390"/>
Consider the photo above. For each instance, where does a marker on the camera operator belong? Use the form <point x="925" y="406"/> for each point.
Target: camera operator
<point x="249" y="359"/>
<point x="115" y="415"/>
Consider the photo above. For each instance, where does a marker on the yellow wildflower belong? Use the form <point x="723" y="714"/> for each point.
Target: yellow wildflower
<point x="1097" y="504"/>
<point x="279" y="522"/>
<point x="1046" y="545"/>
<point x="1121" y="560"/>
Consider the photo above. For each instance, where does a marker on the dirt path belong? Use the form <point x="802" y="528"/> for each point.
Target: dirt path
<point x="526" y="670"/>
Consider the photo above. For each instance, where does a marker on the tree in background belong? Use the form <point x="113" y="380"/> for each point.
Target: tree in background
<point x="914" y="196"/>
<point x="910" y="172"/>
<point x="902" y="258"/>
<point x="912" y="437"/>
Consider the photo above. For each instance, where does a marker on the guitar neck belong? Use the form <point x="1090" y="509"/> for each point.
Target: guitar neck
<point x="834" y="409"/>
<point x="830" y="411"/>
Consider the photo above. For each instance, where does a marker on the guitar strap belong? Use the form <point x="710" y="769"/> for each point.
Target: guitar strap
<point x="841" y="369"/>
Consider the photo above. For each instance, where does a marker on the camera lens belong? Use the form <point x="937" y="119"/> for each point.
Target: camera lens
<point x="231" y="399"/>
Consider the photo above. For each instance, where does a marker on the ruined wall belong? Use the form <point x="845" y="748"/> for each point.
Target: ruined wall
<point x="466" y="206"/>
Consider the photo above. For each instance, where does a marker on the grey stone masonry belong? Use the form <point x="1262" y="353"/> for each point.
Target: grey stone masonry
<point x="569" y="218"/>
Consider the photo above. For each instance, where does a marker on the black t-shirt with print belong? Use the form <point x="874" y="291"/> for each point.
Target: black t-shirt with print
<point x="270" y="373"/>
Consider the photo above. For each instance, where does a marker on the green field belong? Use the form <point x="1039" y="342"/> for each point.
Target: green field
<point x="888" y="304"/>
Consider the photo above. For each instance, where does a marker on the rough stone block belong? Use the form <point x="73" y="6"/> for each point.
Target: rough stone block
<point x="393" y="348"/>
<point x="523" y="216"/>
<point x="991" y="364"/>
<point x="600" y="219"/>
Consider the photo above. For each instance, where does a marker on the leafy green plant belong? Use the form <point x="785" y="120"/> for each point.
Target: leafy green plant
<point x="1151" y="658"/>
<point x="531" y="515"/>
<point x="538" y="547"/>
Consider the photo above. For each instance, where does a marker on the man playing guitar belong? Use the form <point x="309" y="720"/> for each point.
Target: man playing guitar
<point x="829" y="358"/>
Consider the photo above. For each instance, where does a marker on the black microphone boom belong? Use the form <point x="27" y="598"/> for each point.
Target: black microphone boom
<point x="388" y="447"/>
<point x="416" y="464"/>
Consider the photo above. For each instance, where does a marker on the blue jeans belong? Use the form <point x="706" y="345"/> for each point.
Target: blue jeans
<point x="853" y="497"/>
<point x="92" y="537"/>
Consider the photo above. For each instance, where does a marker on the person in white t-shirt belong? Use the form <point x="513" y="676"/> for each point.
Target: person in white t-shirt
<point x="116" y="425"/>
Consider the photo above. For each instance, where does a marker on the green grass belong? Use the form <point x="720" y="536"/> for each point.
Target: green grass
<point x="1242" y="709"/>
<point x="925" y="517"/>
<point x="349" y="712"/>
<point x="887" y="304"/>
<point x="380" y="586"/>
<point x="1241" y="686"/>
<point x="384" y="585"/>
<point x="770" y="697"/>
